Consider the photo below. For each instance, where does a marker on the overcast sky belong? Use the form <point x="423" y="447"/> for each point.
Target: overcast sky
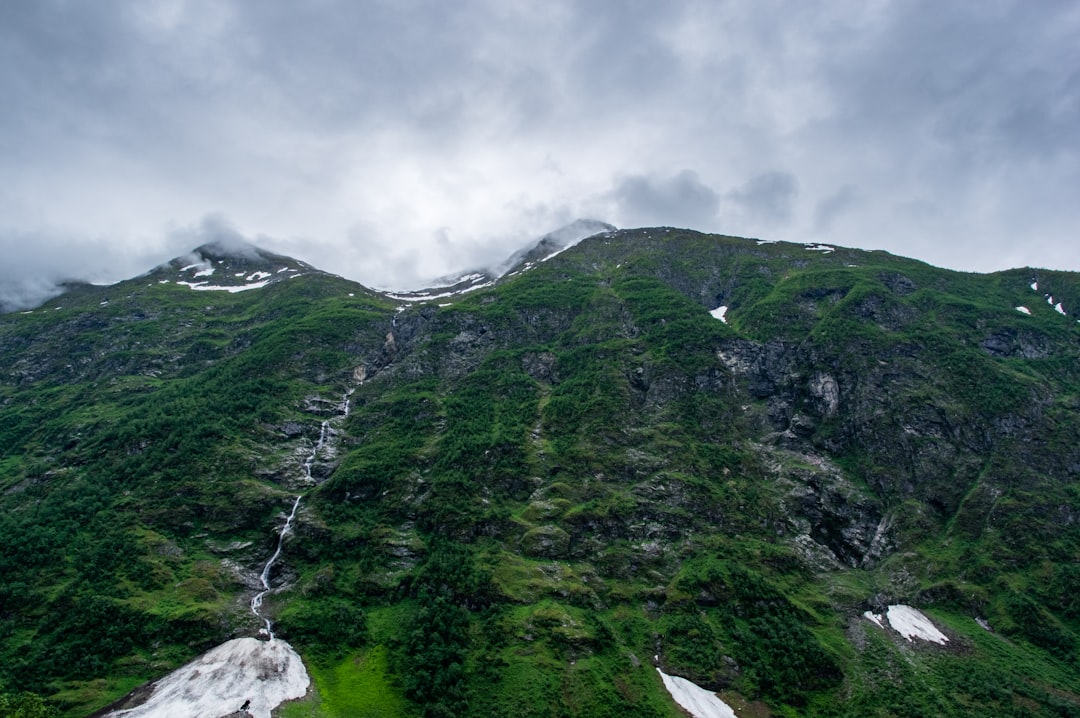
<point x="394" y="141"/>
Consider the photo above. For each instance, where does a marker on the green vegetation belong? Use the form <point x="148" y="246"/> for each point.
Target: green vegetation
<point x="550" y="486"/>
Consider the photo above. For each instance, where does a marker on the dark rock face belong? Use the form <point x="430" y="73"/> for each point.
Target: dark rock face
<point x="1008" y="343"/>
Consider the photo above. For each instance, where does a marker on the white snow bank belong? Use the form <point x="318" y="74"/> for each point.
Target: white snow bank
<point x="719" y="313"/>
<point x="222" y="680"/>
<point x="911" y="623"/>
<point x="1024" y="310"/>
<point x="432" y="297"/>
<point x="1035" y="286"/>
<point x="1059" y="309"/>
<point x="876" y="618"/>
<point x="256" y="276"/>
<point x="699" y="702"/>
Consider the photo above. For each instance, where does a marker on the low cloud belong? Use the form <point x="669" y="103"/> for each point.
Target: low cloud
<point x="829" y="209"/>
<point x="682" y="200"/>
<point x="217" y="231"/>
<point x="37" y="263"/>
<point x="768" y="198"/>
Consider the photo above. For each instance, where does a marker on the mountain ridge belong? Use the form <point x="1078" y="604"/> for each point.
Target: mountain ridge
<point x="537" y="487"/>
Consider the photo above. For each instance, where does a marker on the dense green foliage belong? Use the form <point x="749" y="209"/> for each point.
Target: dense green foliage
<point x="545" y="488"/>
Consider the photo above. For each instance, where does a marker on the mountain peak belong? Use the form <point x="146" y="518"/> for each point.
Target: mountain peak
<point x="229" y="264"/>
<point x="554" y="242"/>
<point x="541" y="250"/>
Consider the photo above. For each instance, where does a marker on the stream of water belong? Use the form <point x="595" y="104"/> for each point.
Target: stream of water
<point x="264" y="577"/>
<point x="325" y="434"/>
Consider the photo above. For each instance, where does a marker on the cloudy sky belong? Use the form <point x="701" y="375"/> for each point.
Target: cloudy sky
<point x="392" y="141"/>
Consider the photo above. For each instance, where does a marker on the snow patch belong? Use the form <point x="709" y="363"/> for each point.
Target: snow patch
<point x="1024" y="310"/>
<point x="1050" y="299"/>
<point x="559" y="251"/>
<point x="204" y="272"/>
<point x="204" y="287"/>
<point x="244" y="673"/>
<point x="256" y="276"/>
<point x="1034" y="286"/>
<point x="431" y="297"/>
<point x="821" y="248"/>
<point x="719" y="313"/>
<point x="875" y="618"/>
<point x="1059" y="309"/>
<point x="911" y="623"/>
<point x="697" y="701"/>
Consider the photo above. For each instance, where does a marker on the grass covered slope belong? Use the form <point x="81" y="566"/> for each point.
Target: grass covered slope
<point x="545" y="488"/>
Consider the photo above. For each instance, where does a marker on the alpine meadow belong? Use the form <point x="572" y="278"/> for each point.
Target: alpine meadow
<point x="613" y="478"/>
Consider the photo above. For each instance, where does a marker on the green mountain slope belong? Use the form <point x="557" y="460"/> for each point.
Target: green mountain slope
<point x="518" y="500"/>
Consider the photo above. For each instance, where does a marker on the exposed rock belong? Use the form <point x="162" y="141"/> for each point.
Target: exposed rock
<point x="545" y="542"/>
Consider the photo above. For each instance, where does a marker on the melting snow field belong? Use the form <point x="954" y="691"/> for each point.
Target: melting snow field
<point x="242" y="673"/>
<point x="910" y="623"/>
<point x="874" y="618"/>
<point x="699" y="702"/>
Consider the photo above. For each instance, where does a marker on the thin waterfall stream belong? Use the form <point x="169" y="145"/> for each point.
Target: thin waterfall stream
<point x="325" y="433"/>
<point x="264" y="577"/>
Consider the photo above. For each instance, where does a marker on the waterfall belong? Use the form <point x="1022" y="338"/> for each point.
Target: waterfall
<point x="264" y="577"/>
<point x="325" y="434"/>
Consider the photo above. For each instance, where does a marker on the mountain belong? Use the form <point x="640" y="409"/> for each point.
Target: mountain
<point x="821" y="481"/>
<point x="523" y="260"/>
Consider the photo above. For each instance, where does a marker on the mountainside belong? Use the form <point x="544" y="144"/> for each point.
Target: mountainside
<point x="821" y="481"/>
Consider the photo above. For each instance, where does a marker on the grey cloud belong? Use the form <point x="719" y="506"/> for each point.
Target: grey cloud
<point x="993" y="84"/>
<point x="305" y="120"/>
<point x="682" y="200"/>
<point x="36" y="264"/>
<point x="769" y="197"/>
<point x="832" y="207"/>
<point x="217" y="231"/>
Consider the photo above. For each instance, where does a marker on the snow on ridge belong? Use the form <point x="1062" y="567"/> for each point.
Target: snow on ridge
<point x="720" y="313"/>
<point x="241" y="674"/>
<point x="556" y="252"/>
<point x="1024" y="310"/>
<point x="431" y="297"/>
<point x="256" y="276"/>
<point x="697" y="701"/>
<point x="203" y="286"/>
<point x="820" y="248"/>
